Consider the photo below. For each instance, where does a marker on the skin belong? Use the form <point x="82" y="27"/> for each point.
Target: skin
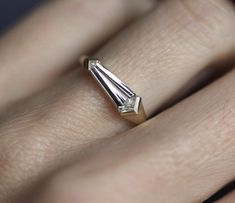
<point x="62" y="141"/>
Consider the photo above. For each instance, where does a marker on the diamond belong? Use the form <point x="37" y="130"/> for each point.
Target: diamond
<point x="130" y="105"/>
<point x="92" y="64"/>
<point x="127" y="102"/>
<point x="130" y="102"/>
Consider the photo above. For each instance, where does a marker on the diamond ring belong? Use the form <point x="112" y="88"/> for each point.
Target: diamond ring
<point x="128" y="104"/>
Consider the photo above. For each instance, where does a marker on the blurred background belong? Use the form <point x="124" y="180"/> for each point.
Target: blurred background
<point x="12" y="10"/>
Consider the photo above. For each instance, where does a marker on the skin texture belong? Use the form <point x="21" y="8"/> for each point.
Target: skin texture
<point x="61" y="139"/>
<point x="49" y="41"/>
<point x="142" y="164"/>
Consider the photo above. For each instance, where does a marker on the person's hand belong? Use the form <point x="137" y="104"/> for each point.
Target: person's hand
<point x="62" y="141"/>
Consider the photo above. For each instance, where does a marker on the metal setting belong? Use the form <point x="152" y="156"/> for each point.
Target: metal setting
<point x="128" y="104"/>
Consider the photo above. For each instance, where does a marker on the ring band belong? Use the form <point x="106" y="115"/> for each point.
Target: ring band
<point x="128" y="104"/>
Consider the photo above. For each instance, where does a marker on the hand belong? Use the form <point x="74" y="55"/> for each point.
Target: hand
<point x="62" y="141"/>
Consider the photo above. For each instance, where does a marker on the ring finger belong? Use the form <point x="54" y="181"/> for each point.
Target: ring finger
<point x="175" y="43"/>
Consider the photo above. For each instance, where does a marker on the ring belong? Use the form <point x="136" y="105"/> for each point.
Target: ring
<point x="128" y="104"/>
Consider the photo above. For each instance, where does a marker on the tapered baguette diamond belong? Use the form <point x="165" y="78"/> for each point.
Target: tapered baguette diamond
<point x="127" y="102"/>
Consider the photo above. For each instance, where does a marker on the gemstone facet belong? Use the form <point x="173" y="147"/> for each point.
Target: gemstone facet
<point x="127" y="102"/>
<point x="130" y="105"/>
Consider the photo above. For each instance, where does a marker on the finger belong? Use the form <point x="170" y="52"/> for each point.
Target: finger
<point x="51" y="39"/>
<point x="228" y="199"/>
<point x="174" y="49"/>
<point x="69" y="117"/>
<point x="161" y="159"/>
<point x="222" y="193"/>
